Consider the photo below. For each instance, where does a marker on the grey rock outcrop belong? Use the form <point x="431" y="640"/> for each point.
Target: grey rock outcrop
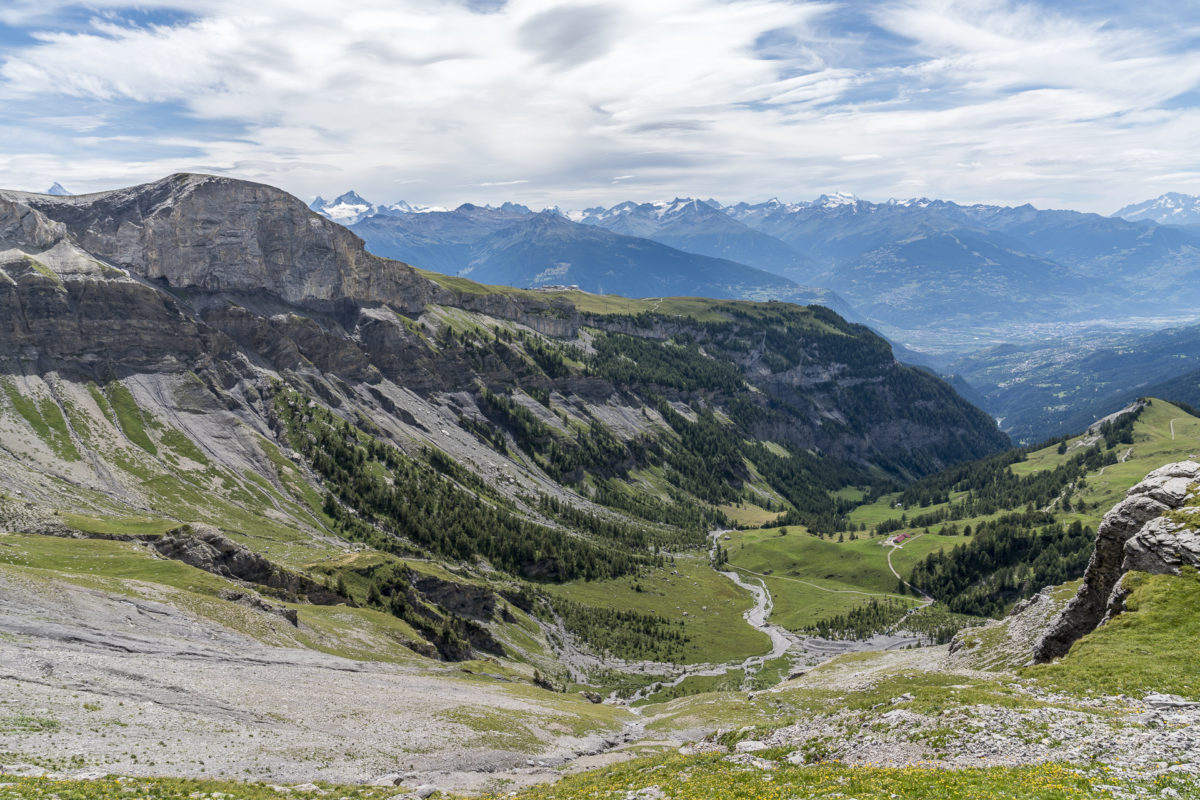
<point x="206" y="548"/>
<point x="180" y="273"/>
<point x="1132" y="535"/>
<point x="466" y="599"/>
<point x="254" y="601"/>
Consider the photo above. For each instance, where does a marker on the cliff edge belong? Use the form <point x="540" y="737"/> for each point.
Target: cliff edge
<point x="1138" y="534"/>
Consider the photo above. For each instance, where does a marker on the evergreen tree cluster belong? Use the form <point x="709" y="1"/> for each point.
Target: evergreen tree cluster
<point x="625" y="634"/>
<point x="938" y="624"/>
<point x="376" y="489"/>
<point x="1120" y="430"/>
<point x="991" y="487"/>
<point x="1008" y="559"/>
<point x="706" y="461"/>
<point x="713" y="455"/>
<point x="681" y="510"/>
<point x="611" y="529"/>
<point x="863" y="622"/>
<point x="389" y="589"/>
<point x="647" y="364"/>
<point x="565" y="457"/>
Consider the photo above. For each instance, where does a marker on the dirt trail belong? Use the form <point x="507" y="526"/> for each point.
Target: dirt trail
<point x="897" y="546"/>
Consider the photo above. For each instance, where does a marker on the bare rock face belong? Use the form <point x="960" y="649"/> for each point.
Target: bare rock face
<point x="1131" y="536"/>
<point x="1161" y="547"/>
<point x="219" y="234"/>
<point x="206" y="548"/>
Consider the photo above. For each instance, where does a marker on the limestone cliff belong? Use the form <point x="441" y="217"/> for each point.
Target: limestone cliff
<point x="220" y="234"/>
<point x="1134" y="535"/>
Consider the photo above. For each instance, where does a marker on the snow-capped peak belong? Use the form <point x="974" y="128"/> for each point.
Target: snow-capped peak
<point x="351" y="198"/>
<point x="836" y="200"/>
<point x="401" y="207"/>
<point x="58" y="190"/>
<point x="677" y="206"/>
<point x="912" y="202"/>
<point x="1172" y="208"/>
<point x="574" y="215"/>
<point x="347" y="208"/>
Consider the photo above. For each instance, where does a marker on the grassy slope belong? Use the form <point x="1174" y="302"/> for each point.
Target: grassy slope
<point x="713" y="777"/>
<point x="1144" y="644"/>
<point x="713" y="604"/>
<point x="178" y="482"/>
<point x="812" y="578"/>
<point x="129" y="569"/>
<point x="1153" y="446"/>
<point x="838" y="569"/>
<point x="680" y="777"/>
<point x="1149" y="647"/>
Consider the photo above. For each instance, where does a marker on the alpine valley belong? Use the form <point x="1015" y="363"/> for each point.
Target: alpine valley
<point x="639" y="514"/>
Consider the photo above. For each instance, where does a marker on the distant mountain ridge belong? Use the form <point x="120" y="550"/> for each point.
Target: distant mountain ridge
<point x="1172" y="208"/>
<point x="514" y="246"/>
<point x="906" y="266"/>
<point x="1050" y="388"/>
<point x="351" y="207"/>
<point x="697" y="226"/>
<point x="903" y="262"/>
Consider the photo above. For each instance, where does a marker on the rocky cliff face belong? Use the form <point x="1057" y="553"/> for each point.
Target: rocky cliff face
<point x="178" y="273"/>
<point x="1134" y="535"/>
<point x="219" y="234"/>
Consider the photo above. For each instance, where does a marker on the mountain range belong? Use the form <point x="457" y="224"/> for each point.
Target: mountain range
<point x="214" y="290"/>
<point x="1172" y="208"/>
<point x="512" y="245"/>
<point x="277" y="508"/>
<point x="923" y="271"/>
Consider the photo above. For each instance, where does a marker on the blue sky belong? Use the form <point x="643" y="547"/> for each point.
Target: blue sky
<point x="1087" y="105"/>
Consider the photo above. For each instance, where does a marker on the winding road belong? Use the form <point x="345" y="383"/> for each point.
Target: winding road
<point x="897" y="546"/>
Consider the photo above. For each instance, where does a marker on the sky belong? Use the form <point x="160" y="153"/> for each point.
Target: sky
<point x="1085" y="105"/>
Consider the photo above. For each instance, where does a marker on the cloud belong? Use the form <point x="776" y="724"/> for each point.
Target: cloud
<point x="742" y="98"/>
<point x="569" y="35"/>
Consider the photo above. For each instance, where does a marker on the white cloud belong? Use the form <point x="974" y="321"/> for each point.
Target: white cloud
<point x="319" y="97"/>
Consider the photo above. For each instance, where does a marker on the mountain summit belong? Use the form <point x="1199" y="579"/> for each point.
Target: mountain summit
<point x="1171" y="208"/>
<point x="346" y="209"/>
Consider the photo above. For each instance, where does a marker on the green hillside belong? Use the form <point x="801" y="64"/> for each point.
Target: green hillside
<point x="815" y="577"/>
